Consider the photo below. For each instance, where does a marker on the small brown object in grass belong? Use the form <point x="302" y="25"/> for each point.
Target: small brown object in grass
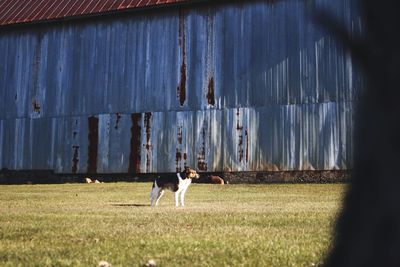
<point x="216" y="179"/>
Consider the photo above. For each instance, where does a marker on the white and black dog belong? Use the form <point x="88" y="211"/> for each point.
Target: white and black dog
<point x="177" y="183"/>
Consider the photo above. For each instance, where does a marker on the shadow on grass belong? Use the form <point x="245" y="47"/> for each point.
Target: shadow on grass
<point x="129" y="205"/>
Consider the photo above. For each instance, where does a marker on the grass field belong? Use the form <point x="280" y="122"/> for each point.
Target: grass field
<point x="231" y="225"/>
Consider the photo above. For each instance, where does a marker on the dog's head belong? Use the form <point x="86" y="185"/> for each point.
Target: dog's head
<point x="192" y="174"/>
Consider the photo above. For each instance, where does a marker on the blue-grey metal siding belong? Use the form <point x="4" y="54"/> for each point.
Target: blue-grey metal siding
<point x="233" y="87"/>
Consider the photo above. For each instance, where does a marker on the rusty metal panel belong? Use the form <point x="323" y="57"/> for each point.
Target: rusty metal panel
<point x="209" y="58"/>
<point x="18" y="11"/>
<point x="234" y="87"/>
<point x="285" y="137"/>
<point x="237" y="146"/>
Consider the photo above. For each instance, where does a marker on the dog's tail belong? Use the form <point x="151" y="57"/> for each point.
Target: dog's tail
<point x="154" y="185"/>
<point x="155" y="181"/>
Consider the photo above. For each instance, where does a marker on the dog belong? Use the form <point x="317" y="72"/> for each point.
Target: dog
<point x="216" y="179"/>
<point x="177" y="183"/>
<point x="90" y="181"/>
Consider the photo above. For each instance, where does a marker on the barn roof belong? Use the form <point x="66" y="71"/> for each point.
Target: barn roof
<point x="23" y="11"/>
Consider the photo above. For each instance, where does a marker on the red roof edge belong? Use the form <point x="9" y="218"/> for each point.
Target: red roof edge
<point x="18" y="12"/>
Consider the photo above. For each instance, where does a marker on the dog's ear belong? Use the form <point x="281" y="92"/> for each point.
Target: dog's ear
<point x="184" y="174"/>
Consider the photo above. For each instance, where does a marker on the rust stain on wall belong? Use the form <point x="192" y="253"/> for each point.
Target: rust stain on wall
<point x="181" y="89"/>
<point x="239" y="129"/>
<point x="178" y="156"/>
<point x="201" y="157"/>
<point x="210" y="64"/>
<point x="75" y="159"/>
<point x="240" y="147"/>
<point x="136" y="133"/>
<point x="182" y="85"/>
<point x="35" y="106"/>
<point x="147" y="126"/>
<point x="93" y="138"/>
<point x="117" y="121"/>
<point x="210" y="92"/>
<point x="246" y="133"/>
<point x="180" y="135"/>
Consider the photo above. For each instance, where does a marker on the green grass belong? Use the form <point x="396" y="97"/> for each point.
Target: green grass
<point x="231" y="225"/>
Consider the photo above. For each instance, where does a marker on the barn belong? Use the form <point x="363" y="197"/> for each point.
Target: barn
<point x="136" y="87"/>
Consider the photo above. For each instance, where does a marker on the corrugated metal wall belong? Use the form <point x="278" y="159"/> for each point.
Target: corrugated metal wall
<point x="233" y="87"/>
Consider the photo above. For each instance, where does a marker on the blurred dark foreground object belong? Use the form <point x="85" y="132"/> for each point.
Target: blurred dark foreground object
<point x="368" y="228"/>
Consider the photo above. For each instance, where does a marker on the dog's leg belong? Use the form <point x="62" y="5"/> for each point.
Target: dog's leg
<point x="183" y="197"/>
<point x="160" y="194"/>
<point x="177" y="198"/>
